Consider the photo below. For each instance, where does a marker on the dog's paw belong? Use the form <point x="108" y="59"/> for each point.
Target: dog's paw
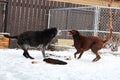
<point x="95" y="60"/>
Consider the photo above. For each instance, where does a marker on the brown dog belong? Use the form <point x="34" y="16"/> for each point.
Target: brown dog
<point x="83" y="43"/>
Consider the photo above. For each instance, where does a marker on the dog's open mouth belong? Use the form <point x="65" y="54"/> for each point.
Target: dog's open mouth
<point x="69" y="33"/>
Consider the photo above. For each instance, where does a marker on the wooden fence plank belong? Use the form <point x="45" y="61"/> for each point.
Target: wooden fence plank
<point x="27" y="14"/>
<point x="18" y="16"/>
<point x="35" y="15"/>
<point x="22" y="18"/>
<point x="9" y="16"/>
<point x="38" y="21"/>
<point x="12" y="24"/>
<point x="1" y="18"/>
<point x="13" y="27"/>
<point x="30" y="15"/>
<point x="43" y="15"/>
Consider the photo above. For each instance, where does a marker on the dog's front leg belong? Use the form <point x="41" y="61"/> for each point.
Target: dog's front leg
<point x="43" y="51"/>
<point x="80" y="54"/>
<point x="76" y="54"/>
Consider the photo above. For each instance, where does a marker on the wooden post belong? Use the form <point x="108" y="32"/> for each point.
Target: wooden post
<point x="119" y="4"/>
<point x="110" y="12"/>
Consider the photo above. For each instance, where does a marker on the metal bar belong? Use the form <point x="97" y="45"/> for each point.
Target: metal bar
<point x="91" y="31"/>
<point x="108" y="7"/>
<point x="67" y="16"/>
<point x="49" y="15"/>
<point x="84" y="8"/>
<point x="96" y="21"/>
<point x="72" y="8"/>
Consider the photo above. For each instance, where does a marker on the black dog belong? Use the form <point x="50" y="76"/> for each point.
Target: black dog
<point x="34" y="39"/>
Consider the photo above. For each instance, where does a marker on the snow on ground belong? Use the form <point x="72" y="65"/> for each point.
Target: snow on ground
<point x="13" y="66"/>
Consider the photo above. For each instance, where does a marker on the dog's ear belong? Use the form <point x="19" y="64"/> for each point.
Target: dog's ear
<point x="75" y="32"/>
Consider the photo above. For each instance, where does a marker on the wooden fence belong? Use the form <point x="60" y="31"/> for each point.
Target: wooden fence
<point x="25" y="15"/>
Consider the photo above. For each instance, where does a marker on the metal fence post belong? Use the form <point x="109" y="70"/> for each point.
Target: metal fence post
<point x="67" y="19"/>
<point x="49" y="15"/>
<point x="96" y="21"/>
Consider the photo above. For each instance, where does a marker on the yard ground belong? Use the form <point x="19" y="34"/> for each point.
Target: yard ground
<point x="13" y="66"/>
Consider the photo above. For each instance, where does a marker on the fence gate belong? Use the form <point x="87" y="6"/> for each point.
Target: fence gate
<point x="3" y="13"/>
<point x="81" y="18"/>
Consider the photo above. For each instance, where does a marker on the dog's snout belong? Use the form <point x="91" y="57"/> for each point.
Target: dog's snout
<point x="69" y="33"/>
<point x="59" y="32"/>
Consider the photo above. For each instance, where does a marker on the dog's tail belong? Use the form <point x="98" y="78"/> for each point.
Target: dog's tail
<point x="12" y="37"/>
<point x="110" y="36"/>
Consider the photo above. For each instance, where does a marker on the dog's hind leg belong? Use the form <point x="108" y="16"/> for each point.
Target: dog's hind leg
<point x="95" y="48"/>
<point x="25" y="53"/>
<point x="97" y="55"/>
